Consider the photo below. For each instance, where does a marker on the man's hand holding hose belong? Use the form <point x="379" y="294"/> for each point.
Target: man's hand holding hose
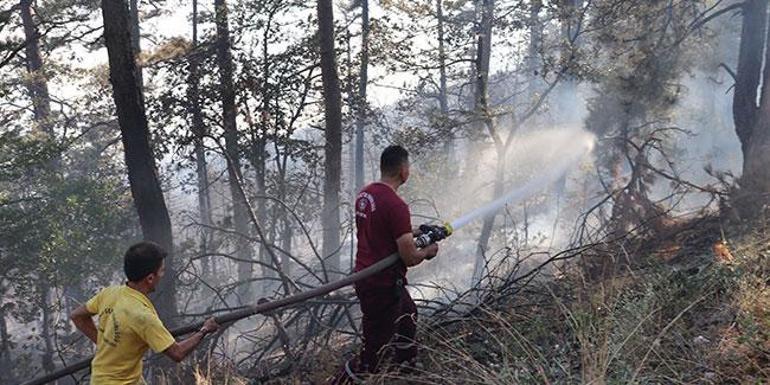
<point x="428" y="237"/>
<point x="431" y="251"/>
<point x="209" y="326"/>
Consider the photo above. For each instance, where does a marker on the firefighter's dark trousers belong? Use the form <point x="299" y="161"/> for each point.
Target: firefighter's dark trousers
<point x="389" y="317"/>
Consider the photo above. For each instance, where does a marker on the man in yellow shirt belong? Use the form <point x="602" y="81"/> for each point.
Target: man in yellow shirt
<point x="128" y="322"/>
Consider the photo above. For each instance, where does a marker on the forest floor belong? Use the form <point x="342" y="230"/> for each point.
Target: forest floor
<point x="682" y="309"/>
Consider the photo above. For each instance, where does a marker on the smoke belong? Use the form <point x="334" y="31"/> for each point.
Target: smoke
<point x="536" y="162"/>
<point x="705" y="113"/>
<point x="569" y="148"/>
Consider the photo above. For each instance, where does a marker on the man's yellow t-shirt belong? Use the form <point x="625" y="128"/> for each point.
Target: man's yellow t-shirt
<point x="128" y="325"/>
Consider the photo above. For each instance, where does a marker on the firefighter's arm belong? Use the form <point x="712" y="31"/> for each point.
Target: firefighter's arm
<point x="179" y="350"/>
<point x="409" y="252"/>
<point x="83" y="320"/>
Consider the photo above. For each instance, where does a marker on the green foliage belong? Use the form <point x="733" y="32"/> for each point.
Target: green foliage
<point x="21" y="154"/>
<point x="71" y="233"/>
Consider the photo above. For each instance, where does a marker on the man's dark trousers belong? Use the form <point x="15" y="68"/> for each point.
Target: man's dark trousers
<point x="389" y="315"/>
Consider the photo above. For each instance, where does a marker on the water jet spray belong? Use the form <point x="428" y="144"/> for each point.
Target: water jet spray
<point x="434" y="233"/>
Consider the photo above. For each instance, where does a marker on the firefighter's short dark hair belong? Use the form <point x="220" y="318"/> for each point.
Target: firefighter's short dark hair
<point x="143" y="259"/>
<point x="391" y="160"/>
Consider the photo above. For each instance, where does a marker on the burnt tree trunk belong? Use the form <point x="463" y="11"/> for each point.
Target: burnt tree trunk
<point x="745" y="109"/>
<point x="142" y="173"/>
<point x="752" y="118"/>
<point x="199" y="131"/>
<point x="227" y="93"/>
<point x="333" y="135"/>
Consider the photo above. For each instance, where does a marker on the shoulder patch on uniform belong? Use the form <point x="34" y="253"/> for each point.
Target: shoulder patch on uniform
<point x="363" y="200"/>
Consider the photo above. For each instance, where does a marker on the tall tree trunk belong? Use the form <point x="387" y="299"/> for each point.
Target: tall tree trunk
<point x="6" y="363"/>
<point x="533" y="51"/>
<point x="142" y="172"/>
<point x="570" y="28"/>
<point x="756" y="167"/>
<point x="752" y="121"/>
<point x="489" y="222"/>
<point x="227" y="93"/>
<point x="199" y="130"/>
<point x="749" y="71"/>
<point x="260" y="166"/>
<point x="352" y="95"/>
<point x="38" y="83"/>
<point x="260" y="179"/>
<point x="41" y="105"/>
<point x="361" y="109"/>
<point x="566" y="104"/>
<point x="287" y="233"/>
<point x="47" y="326"/>
<point x="443" y="96"/>
<point x="353" y="144"/>
<point x="136" y="37"/>
<point x="333" y="135"/>
<point x="469" y="100"/>
<point x="569" y="22"/>
<point x="483" y="54"/>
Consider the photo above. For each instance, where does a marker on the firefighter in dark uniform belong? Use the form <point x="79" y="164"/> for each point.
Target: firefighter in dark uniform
<point x="384" y="227"/>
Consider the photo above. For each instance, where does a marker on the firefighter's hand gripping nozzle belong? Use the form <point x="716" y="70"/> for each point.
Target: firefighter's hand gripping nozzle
<point x="432" y="234"/>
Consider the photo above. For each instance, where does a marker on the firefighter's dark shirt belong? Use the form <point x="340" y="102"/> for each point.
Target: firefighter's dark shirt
<point x="381" y="217"/>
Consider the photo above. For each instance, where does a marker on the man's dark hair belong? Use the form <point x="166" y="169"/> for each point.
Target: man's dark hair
<point x="391" y="160"/>
<point x="142" y="259"/>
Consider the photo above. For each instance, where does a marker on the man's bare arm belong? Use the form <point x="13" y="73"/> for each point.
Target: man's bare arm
<point x="83" y="320"/>
<point x="409" y="252"/>
<point x="179" y="350"/>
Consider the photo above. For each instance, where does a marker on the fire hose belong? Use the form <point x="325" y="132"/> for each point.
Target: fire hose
<point x="429" y="234"/>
